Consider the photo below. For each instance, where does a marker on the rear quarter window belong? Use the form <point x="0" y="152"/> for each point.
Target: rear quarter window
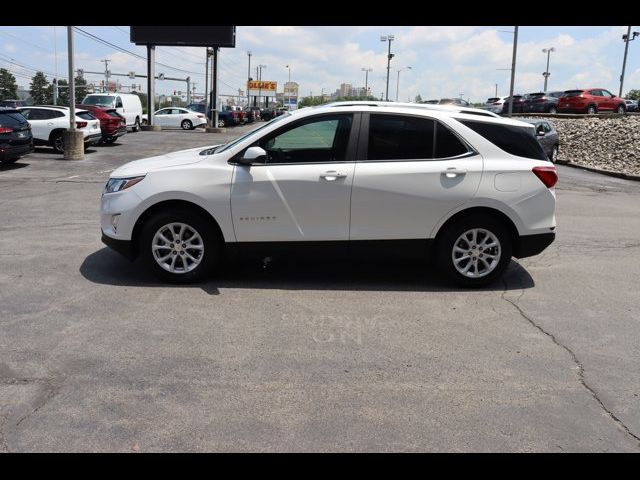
<point x="85" y="116"/>
<point x="12" y="119"/>
<point x="518" y="141"/>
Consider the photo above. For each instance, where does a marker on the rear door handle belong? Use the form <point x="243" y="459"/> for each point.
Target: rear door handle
<point x="332" y="175"/>
<point x="454" y="172"/>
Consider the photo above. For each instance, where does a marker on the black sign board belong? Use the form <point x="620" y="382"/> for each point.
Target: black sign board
<point x="189" y="36"/>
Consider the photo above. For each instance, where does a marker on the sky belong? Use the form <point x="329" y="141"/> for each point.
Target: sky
<point x="445" y="61"/>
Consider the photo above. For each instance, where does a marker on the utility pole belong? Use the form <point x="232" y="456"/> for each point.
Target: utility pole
<point x="366" y="79"/>
<point x="496" y="95"/>
<point x="546" y="72"/>
<point x="206" y="85"/>
<point x="513" y="69"/>
<point x="72" y="139"/>
<point x="151" y="83"/>
<point x="389" y="38"/>
<point x="248" y="79"/>
<point x="398" y="83"/>
<point x="289" y="68"/>
<point x="627" y="38"/>
<point x="106" y="74"/>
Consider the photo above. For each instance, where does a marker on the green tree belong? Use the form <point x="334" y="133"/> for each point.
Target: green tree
<point x="81" y="89"/>
<point x="63" y="93"/>
<point x="633" y="95"/>
<point x="418" y="98"/>
<point x="40" y="90"/>
<point x="143" y="100"/>
<point x="8" y="85"/>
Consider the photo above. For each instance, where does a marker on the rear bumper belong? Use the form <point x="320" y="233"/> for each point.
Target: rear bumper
<point x="9" y="151"/>
<point x="530" y="245"/>
<point x="92" y="139"/>
<point x="123" y="247"/>
<point x="114" y="133"/>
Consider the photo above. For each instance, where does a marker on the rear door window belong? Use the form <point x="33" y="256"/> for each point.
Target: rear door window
<point x="400" y="137"/>
<point x="518" y="141"/>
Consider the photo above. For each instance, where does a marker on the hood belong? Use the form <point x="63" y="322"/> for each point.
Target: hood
<point x="174" y="159"/>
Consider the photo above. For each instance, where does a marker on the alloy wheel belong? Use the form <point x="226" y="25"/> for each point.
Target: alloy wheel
<point x="476" y="253"/>
<point x="177" y="248"/>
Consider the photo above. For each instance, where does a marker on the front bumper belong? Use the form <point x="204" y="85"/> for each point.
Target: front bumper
<point x="530" y="245"/>
<point x="9" y="151"/>
<point x="123" y="247"/>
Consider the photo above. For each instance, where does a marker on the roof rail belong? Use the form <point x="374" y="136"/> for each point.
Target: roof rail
<point x="424" y="106"/>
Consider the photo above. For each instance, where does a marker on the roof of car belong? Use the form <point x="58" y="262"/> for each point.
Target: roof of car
<point x="451" y="108"/>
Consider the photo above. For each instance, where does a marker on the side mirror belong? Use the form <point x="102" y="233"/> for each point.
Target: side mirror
<point x="252" y="155"/>
<point x="540" y="132"/>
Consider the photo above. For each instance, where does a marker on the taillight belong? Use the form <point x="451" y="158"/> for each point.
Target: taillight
<point x="81" y="124"/>
<point x="547" y="175"/>
<point x="6" y="129"/>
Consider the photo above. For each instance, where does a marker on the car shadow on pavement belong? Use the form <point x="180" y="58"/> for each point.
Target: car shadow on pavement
<point x="13" y="166"/>
<point x="110" y="268"/>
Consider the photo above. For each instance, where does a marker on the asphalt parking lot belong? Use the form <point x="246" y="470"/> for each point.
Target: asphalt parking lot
<point x="95" y="355"/>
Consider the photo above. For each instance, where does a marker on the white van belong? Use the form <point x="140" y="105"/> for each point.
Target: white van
<point x="126" y="104"/>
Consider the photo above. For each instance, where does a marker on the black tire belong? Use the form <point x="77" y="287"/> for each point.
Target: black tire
<point x="145" y="121"/>
<point x="136" y="126"/>
<point x="211" y="254"/>
<point x="553" y="109"/>
<point x="620" y="109"/>
<point x="109" y="140"/>
<point x="186" y="125"/>
<point x="554" y="153"/>
<point x="592" y="110"/>
<point x="57" y="142"/>
<point x="446" y="241"/>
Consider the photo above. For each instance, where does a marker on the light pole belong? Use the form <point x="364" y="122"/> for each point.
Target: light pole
<point x="366" y="79"/>
<point x="248" y="79"/>
<point x="259" y="69"/>
<point x="388" y="38"/>
<point x="626" y="49"/>
<point x="289" y="68"/>
<point x="398" y="83"/>
<point x="546" y="72"/>
<point x="496" y="90"/>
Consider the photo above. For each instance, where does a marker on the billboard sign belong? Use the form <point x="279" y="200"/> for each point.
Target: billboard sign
<point x="262" y="88"/>
<point x="184" y="36"/>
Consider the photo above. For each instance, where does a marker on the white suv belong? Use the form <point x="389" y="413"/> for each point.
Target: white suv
<point x="48" y="123"/>
<point x="464" y="187"/>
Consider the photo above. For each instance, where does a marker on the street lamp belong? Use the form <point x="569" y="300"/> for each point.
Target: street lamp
<point x="388" y="38"/>
<point x="626" y="40"/>
<point x="546" y="73"/>
<point x="248" y="79"/>
<point x="289" y="68"/>
<point x="398" y="83"/>
<point x="366" y="79"/>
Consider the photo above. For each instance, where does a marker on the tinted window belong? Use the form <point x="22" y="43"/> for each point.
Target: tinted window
<point x="118" y="102"/>
<point x="85" y="116"/>
<point x="447" y="143"/>
<point x="38" y="114"/>
<point x="11" y="120"/>
<point x="318" y="140"/>
<point x="54" y="114"/>
<point x="394" y="137"/>
<point x="573" y="93"/>
<point x="519" y="141"/>
<point x="605" y="93"/>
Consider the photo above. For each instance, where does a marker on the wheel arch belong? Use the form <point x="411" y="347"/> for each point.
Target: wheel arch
<point x="54" y="133"/>
<point x="482" y="210"/>
<point x="168" y="204"/>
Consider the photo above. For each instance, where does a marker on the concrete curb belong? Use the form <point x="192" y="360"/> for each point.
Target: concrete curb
<point x="150" y="128"/>
<point x="602" y="172"/>
<point x="214" y="130"/>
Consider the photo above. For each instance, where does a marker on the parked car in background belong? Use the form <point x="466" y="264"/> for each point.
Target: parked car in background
<point x="591" y="101"/>
<point x="268" y="114"/>
<point x="547" y="136"/>
<point x="16" y="138"/>
<point x="500" y="105"/>
<point x="112" y="124"/>
<point x="198" y="107"/>
<point x="542" y="102"/>
<point x="13" y="103"/>
<point x="453" y="101"/>
<point x="229" y="117"/>
<point x="126" y="104"/>
<point x="48" y="123"/>
<point x="631" y="105"/>
<point x="431" y="102"/>
<point x="178" y="117"/>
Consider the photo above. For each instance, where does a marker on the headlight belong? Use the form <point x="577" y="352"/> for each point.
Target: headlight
<point x="118" y="184"/>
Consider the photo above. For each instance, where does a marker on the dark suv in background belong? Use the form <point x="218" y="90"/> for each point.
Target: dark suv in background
<point x="15" y="135"/>
<point x="542" y="102"/>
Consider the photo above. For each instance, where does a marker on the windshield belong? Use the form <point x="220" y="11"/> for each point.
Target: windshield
<point x="227" y="146"/>
<point x="105" y="100"/>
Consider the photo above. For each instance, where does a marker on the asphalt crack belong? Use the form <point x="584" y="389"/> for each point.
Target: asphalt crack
<point x="574" y="357"/>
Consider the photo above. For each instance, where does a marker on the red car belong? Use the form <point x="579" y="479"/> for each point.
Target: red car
<point x="112" y="124"/>
<point x="590" y="100"/>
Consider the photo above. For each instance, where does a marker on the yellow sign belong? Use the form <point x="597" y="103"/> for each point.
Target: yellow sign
<point x="262" y="85"/>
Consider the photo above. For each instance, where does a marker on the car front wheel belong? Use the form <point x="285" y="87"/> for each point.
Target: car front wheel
<point x="58" y="143"/>
<point x="620" y="109"/>
<point x="474" y="251"/>
<point x="553" y="110"/>
<point x="591" y="110"/>
<point x="179" y="246"/>
<point x="554" y="154"/>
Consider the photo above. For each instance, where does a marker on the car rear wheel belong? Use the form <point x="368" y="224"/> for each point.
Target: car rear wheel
<point x="136" y="126"/>
<point x="109" y="140"/>
<point x="179" y="246"/>
<point x="58" y="143"/>
<point x="553" y="109"/>
<point x="554" y="153"/>
<point x="592" y="110"/>
<point x="474" y="251"/>
<point x="186" y="125"/>
<point x="221" y="123"/>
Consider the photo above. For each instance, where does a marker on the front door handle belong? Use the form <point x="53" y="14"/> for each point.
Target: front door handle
<point x="332" y="175"/>
<point x="453" y="172"/>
